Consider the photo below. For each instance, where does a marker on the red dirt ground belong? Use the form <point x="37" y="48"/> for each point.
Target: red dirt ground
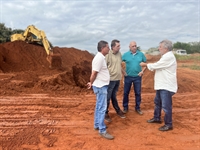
<point x="51" y="109"/>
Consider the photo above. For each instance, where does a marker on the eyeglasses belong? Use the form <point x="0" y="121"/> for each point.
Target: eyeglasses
<point x="134" y="46"/>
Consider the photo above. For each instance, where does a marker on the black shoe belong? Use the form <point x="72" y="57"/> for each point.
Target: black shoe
<point x="125" y="110"/>
<point x="154" y="121"/>
<point x="165" y="128"/>
<point x="121" y="114"/>
<point x="139" y="112"/>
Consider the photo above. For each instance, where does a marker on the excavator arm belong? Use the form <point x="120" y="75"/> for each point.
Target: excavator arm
<point x="34" y="35"/>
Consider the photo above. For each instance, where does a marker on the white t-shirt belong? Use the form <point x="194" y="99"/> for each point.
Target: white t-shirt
<point x="165" y="72"/>
<point x="99" y="65"/>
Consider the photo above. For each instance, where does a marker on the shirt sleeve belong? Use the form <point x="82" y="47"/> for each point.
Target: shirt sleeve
<point x="123" y="57"/>
<point x="107" y="59"/>
<point x="144" y="58"/>
<point x="164" y="62"/>
<point x="97" y="64"/>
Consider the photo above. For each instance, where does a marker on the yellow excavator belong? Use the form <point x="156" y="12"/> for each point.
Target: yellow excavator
<point x="34" y="35"/>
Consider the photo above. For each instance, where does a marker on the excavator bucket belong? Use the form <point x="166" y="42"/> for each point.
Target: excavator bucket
<point x="55" y="61"/>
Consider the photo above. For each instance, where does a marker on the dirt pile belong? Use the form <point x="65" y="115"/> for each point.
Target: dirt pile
<point x="187" y="79"/>
<point x="27" y="69"/>
<point x="47" y="109"/>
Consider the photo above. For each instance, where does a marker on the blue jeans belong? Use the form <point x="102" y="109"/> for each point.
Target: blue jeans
<point x="100" y="109"/>
<point x="163" y="100"/>
<point x="137" y="83"/>
<point x="112" y="94"/>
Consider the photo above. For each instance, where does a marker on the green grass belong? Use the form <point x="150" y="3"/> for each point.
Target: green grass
<point x="193" y="67"/>
<point x="194" y="58"/>
<point x="187" y="57"/>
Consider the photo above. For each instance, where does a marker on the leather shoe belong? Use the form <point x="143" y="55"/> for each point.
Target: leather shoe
<point x="154" y="121"/>
<point x="121" y="114"/>
<point x="139" y="112"/>
<point x="165" y="128"/>
<point x="107" y="118"/>
<point x="125" y="110"/>
<point x="107" y="136"/>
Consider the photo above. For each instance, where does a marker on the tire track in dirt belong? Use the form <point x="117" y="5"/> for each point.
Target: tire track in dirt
<point x="40" y="121"/>
<point x="41" y="113"/>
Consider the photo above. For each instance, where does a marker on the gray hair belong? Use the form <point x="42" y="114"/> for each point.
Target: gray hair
<point x="167" y="44"/>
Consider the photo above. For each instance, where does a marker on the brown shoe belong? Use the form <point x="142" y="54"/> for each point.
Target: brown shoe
<point x="107" y="118"/>
<point x="121" y="114"/>
<point x="107" y="136"/>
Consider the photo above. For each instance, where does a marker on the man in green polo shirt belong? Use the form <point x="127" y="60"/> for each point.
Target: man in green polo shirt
<point x="134" y="72"/>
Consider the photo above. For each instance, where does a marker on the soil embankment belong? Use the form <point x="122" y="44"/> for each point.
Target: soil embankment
<point x="51" y="109"/>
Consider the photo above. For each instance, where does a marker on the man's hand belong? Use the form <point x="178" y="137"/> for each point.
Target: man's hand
<point x="92" y="78"/>
<point x="89" y="85"/>
<point x="140" y="73"/>
<point x="142" y="64"/>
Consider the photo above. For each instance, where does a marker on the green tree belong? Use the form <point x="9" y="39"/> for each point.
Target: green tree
<point x="191" y="47"/>
<point x="151" y="50"/>
<point x="195" y="47"/>
<point x="5" y="33"/>
<point x="138" y="48"/>
<point x="17" y="31"/>
<point x="177" y="45"/>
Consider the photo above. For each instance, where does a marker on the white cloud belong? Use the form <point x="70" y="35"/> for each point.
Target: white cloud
<point x="82" y="23"/>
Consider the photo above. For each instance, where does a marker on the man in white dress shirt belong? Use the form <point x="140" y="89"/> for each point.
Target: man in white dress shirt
<point x="165" y="84"/>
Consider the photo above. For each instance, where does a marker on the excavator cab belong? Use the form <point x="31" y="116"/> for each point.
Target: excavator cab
<point x="34" y="35"/>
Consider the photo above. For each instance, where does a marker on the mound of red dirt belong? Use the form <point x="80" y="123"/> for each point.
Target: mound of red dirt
<point x="24" y="68"/>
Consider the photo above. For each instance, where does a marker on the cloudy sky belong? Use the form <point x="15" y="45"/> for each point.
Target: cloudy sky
<point x="83" y="23"/>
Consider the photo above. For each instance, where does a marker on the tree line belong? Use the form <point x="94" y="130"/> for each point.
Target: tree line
<point x="5" y="33"/>
<point x="191" y="47"/>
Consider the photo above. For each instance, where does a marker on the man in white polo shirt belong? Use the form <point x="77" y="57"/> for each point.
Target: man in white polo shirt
<point x="165" y="84"/>
<point x="99" y="81"/>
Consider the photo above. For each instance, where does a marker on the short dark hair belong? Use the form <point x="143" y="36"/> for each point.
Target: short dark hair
<point x="101" y="44"/>
<point x="113" y="43"/>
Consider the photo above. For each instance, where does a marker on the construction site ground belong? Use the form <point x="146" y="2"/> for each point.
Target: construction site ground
<point x="51" y="109"/>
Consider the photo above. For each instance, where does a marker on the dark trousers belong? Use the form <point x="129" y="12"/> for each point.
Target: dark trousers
<point x="163" y="100"/>
<point x="112" y="94"/>
<point x="136" y="82"/>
